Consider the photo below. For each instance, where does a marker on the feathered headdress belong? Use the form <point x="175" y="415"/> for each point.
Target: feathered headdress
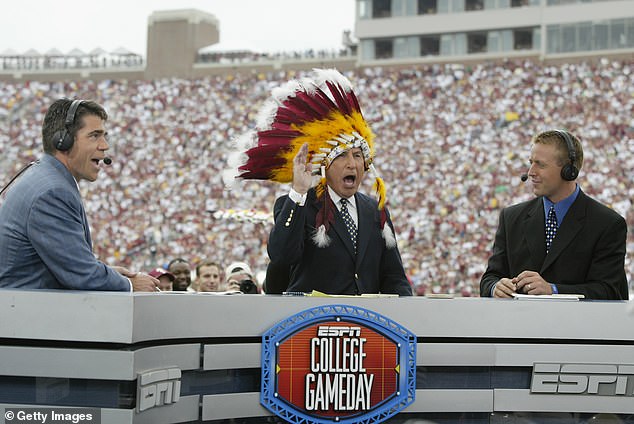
<point x="322" y="111"/>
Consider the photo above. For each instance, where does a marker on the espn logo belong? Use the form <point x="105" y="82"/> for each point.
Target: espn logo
<point x="338" y="331"/>
<point x="157" y="388"/>
<point x="584" y="379"/>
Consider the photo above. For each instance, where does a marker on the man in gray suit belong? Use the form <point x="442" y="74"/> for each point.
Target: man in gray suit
<point x="563" y="241"/>
<point x="45" y="239"/>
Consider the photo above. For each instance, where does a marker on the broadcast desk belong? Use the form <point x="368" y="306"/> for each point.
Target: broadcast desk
<point x="477" y="360"/>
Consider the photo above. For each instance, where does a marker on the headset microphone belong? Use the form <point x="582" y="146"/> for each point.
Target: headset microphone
<point x="107" y="160"/>
<point x="524" y="177"/>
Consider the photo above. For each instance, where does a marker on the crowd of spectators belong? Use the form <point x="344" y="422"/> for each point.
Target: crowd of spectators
<point x="246" y="56"/>
<point x="12" y="61"/>
<point x="452" y="142"/>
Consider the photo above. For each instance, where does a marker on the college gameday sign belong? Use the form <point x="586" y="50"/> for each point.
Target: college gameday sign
<point x="338" y="363"/>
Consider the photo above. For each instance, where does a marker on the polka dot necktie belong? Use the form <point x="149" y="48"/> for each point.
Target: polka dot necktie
<point x="347" y="219"/>
<point x="551" y="227"/>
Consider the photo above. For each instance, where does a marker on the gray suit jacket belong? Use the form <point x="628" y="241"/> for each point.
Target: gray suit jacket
<point x="587" y="255"/>
<point x="44" y="235"/>
<point x="335" y="269"/>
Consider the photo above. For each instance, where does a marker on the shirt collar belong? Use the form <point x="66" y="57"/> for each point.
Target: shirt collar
<point x="352" y="203"/>
<point x="561" y="207"/>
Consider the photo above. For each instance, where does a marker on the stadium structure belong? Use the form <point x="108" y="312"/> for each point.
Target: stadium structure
<point x="180" y="43"/>
<point x="468" y="30"/>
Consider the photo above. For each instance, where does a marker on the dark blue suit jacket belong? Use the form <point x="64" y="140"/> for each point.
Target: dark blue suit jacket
<point x="587" y="255"/>
<point x="335" y="269"/>
<point x="44" y="235"/>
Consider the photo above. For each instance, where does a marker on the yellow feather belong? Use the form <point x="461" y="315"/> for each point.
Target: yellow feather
<point x="321" y="187"/>
<point x="317" y="133"/>
<point x="379" y="188"/>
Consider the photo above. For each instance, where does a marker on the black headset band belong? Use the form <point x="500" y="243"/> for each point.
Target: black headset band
<point x="567" y="138"/>
<point x="72" y="110"/>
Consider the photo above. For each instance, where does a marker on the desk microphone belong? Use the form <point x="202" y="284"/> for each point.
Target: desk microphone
<point x="107" y="160"/>
<point x="524" y="177"/>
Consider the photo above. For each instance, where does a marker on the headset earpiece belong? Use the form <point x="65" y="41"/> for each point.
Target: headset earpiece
<point x="569" y="172"/>
<point x="64" y="139"/>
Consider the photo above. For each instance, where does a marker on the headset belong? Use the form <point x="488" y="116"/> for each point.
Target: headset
<point x="64" y="138"/>
<point x="569" y="172"/>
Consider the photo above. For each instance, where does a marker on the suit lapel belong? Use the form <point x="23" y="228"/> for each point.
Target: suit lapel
<point x="366" y="217"/>
<point x="573" y="222"/>
<point x="534" y="232"/>
<point x="86" y="226"/>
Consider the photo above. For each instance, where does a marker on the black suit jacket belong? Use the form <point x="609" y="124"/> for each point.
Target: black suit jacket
<point x="335" y="269"/>
<point x="586" y="257"/>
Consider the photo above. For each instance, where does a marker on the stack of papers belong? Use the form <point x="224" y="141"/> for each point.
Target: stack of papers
<point x="316" y="293"/>
<point x="548" y="296"/>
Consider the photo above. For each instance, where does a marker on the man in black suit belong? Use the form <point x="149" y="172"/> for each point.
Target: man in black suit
<point x="310" y="129"/>
<point x="563" y="241"/>
<point x="341" y="267"/>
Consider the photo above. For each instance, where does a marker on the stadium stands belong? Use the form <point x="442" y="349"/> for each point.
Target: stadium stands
<point x="453" y="141"/>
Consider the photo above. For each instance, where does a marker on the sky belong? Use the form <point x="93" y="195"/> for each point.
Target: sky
<point x="259" y="25"/>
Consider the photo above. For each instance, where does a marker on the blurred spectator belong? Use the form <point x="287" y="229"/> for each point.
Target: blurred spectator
<point x="166" y="278"/>
<point x="240" y="277"/>
<point x="182" y="273"/>
<point x="208" y="277"/>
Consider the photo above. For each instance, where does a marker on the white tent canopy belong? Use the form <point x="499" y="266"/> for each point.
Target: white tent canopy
<point x="98" y="51"/>
<point x="226" y="48"/>
<point x="53" y="52"/>
<point x="10" y="52"/>
<point x="122" y="51"/>
<point x="76" y="52"/>
<point x="32" y="53"/>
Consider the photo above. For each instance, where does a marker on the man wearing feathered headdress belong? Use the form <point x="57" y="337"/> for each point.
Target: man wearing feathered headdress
<point x="331" y="238"/>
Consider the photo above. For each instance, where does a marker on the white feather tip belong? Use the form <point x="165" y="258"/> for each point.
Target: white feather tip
<point x="388" y="235"/>
<point x="320" y="237"/>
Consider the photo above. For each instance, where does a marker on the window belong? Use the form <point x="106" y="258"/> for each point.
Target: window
<point x="493" y="41"/>
<point x="523" y="39"/>
<point x="629" y="32"/>
<point x="383" y="49"/>
<point x="601" y="35"/>
<point x="618" y="39"/>
<point x="427" y="7"/>
<point x="568" y="38"/>
<point x="496" y="4"/>
<point x="381" y="8"/>
<point x="365" y="6"/>
<point x="477" y="42"/>
<point x="367" y="49"/>
<point x="474" y="5"/>
<point x="584" y="36"/>
<point x="553" y="39"/>
<point x="430" y="45"/>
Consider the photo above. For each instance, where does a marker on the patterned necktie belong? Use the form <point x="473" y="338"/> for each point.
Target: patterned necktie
<point x="551" y="227"/>
<point x="347" y="219"/>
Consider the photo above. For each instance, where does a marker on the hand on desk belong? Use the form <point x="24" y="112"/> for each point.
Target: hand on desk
<point x="527" y="282"/>
<point x="530" y="282"/>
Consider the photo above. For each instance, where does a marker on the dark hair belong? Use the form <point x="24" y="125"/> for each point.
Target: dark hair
<point x="55" y="120"/>
<point x="176" y="261"/>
